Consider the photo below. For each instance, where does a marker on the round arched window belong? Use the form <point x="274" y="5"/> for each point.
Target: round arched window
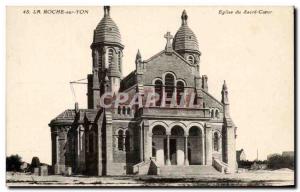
<point x="191" y="59"/>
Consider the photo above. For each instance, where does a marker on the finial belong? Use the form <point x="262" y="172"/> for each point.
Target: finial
<point x="184" y="18"/>
<point x="168" y="36"/>
<point x="106" y="10"/>
<point x="224" y="85"/>
<point x="76" y="107"/>
<point x="138" y="57"/>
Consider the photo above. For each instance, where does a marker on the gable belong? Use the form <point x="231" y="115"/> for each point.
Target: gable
<point x="211" y="102"/>
<point x="164" y="62"/>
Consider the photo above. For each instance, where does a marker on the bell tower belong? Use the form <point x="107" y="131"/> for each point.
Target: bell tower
<point x="107" y="53"/>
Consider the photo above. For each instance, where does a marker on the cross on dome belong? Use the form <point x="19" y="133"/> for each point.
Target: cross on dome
<point x="168" y="36"/>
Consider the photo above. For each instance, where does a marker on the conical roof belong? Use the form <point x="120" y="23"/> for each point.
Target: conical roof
<point x="107" y="31"/>
<point x="185" y="39"/>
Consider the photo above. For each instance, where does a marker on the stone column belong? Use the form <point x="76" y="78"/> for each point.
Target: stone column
<point x="203" y="149"/>
<point x="99" y="145"/>
<point x="168" y="162"/>
<point x="56" y="165"/>
<point x="174" y="96"/>
<point x="56" y="149"/>
<point x="208" y="145"/>
<point x="163" y="97"/>
<point x="109" y="144"/>
<point x="231" y="153"/>
<point x="141" y="144"/>
<point x="147" y="142"/>
<point x="60" y="140"/>
<point x="124" y="140"/>
<point x="77" y="149"/>
<point x="186" y="160"/>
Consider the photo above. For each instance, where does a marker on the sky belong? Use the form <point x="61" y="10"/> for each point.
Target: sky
<point x="252" y="52"/>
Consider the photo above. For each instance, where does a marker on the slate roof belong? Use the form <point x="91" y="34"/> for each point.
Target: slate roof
<point x="68" y="116"/>
<point x="185" y="39"/>
<point x="107" y="31"/>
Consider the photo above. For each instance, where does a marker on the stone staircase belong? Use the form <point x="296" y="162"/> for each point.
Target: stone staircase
<point x="180" y="170"/>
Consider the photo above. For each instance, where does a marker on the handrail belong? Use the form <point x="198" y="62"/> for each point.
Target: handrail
<point x="220" y="165"/>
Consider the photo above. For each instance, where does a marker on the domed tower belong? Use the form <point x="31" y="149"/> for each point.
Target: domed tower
<point x="107" y="53"/>
<point x="185" y="42"/>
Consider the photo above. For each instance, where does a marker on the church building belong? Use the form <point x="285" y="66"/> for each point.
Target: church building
<point x="166" y="138"/>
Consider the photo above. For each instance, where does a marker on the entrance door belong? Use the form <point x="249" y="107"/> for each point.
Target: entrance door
<point x="173" y="155"/>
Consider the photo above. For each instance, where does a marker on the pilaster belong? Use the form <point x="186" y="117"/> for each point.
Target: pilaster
<point x="208" y="144"/>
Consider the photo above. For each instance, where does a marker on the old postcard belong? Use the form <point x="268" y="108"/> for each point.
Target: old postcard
<point x="150" y="96"/>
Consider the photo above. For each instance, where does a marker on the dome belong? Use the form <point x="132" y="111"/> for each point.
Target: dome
<point x="107" y="31"/>
<point x="185" y="39"/>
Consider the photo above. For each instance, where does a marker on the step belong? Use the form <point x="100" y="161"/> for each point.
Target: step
<point x="188" y="170"/>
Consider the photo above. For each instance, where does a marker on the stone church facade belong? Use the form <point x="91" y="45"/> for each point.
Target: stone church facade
<point x="160" y="139"/>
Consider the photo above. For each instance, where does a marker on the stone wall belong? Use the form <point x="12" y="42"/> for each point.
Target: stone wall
<point x="163" y="63"/>
<point x="123" y="160"/>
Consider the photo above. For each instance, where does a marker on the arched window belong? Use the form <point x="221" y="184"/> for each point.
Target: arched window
<point x="195" y="131"/>
<point x="212" y="114"/>
<point x="217" y="114"/>
<point x="169" y="86"/>
<point x="158" y="91"/>
<point x="127" y="141"/>
<point x="91" y="142"/>
<point x="177" y="131"/>
<point x="119" y="110"/>
<point x="216" y="142"/>
<point x="128" y="111"/>
<point x="124" y="110"/>
<point x="119" y="61"/>
<point x="100" y="61"/>
<point x="180" y="91"/>
<point x="191" y="59"/>
<point x="195" y="99"/>
<point x="120" y="140"/>
<point x="110" y="56"/>
<point x="158" y="130"/>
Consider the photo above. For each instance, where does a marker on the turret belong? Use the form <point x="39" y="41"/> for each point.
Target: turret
<point x="229" y="132"/>
<point x="225" y="100"/>
<point x="185" y="42"/>
<point x="107" y="53"/>
<point x="139" y="73"/>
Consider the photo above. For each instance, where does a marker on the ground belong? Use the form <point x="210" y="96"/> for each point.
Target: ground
<point x="283" y="177"/>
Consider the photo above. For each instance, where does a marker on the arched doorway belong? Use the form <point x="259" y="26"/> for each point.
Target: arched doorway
<point x="196" y="146"/>
<point x="158" y="137"/>
<point x="177" y="146"/>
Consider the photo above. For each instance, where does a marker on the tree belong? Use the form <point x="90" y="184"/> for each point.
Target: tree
<point x="278" y="161"/>
<point x="13" y="163"/>
<point x="35" y="162"/>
